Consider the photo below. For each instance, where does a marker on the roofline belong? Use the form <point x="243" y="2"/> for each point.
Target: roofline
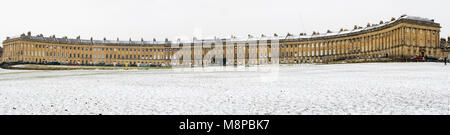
<point x="342" y="34"/>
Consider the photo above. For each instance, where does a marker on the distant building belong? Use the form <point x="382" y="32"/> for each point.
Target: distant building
<point x="448" y="42"/>
<point x="400" y="38"/>
<point x="1" y="53"/>
<point x="447" y="49"/>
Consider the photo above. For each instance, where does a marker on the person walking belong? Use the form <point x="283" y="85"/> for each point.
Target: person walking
<point x="445" y="61"/>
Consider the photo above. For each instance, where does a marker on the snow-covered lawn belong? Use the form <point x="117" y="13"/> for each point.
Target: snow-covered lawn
<point x="373" y="88"/>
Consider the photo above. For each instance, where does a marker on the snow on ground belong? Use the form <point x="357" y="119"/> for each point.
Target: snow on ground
<point x="372" y="88"/>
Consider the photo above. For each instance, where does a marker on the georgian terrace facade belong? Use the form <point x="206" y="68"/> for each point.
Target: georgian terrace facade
<point x="396" y="39"/>
<point x="400" y="38"/>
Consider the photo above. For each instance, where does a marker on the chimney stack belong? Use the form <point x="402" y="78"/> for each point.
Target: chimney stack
<point x="393" y="19"/>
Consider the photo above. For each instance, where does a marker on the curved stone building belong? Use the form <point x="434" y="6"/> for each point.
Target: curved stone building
<point x="396" y="39"/>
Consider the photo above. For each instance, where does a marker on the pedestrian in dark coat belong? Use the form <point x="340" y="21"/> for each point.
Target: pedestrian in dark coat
<point x="445" y="61"/>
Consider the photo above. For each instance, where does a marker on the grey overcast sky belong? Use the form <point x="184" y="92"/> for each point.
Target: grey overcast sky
<point x="173" y="19"/>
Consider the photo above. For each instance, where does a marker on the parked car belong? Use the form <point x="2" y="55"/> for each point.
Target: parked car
<point x="53" y="63"/>
<point x="339" y="59"/>
<point x="100" y="64"/>
<point x="429" y="57"/>
<point x="416" y="58"/>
